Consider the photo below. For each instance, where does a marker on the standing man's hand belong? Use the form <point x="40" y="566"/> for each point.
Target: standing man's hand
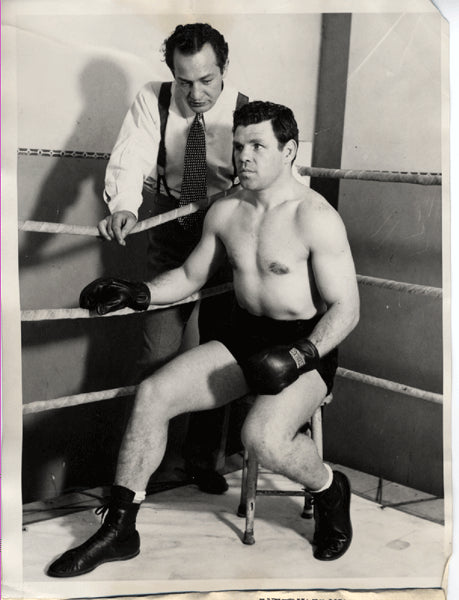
<point x="117" y="226"/>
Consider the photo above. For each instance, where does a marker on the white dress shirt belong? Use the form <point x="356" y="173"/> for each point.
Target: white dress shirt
<point x="133" y="161"/>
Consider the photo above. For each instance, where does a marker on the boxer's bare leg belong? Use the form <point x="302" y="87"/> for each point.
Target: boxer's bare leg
<point x="203" y="378"/>
<point x="271" y="431"/>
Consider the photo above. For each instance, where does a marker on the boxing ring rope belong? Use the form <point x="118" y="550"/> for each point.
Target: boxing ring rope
<point x="390" y="385"/>
<point x="382" y="176"/>
<point x="172" y="215"/>
<point x="418" y="178"/>
<point x="400" y="286"/>
<point x="75" y="400"/>
<point x="78" y="399"/>
<point x="60" y="228"/>
<point x="76" y="313"/>
<point x="55" y="314"/>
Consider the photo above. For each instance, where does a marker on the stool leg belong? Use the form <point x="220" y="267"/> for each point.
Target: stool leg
<point x="316" y="431"/>
<point x="221" y="455"/>
<point x="317" y="437"/>
<point x="242" y="508"/>
<point x="252" y="476"/>
<point x="308" y="508"/>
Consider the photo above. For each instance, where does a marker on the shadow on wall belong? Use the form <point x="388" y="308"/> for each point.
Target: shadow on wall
<point x="62" y="187"/>
<point x="74" y="447"/>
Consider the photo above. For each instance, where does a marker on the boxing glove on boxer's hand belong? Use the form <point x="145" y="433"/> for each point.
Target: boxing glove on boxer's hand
<point x="273" y="369"/>
<point x="106" y="295"/>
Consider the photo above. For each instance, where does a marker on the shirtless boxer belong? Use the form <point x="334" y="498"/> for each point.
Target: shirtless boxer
<point x="297" y="299"/>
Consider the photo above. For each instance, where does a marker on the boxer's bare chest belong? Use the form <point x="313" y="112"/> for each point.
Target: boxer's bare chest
<point x="269" y="242"/>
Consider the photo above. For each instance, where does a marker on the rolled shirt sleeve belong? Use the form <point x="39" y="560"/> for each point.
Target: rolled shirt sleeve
<point x="134" y="155"/>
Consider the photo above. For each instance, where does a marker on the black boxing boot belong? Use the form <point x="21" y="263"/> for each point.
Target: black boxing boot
<point x="117" y="538"/>
<point x="333" y="529"/>
<point x="207" y="480"/>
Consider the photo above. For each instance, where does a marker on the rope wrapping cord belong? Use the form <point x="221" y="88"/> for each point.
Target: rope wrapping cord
<point x="172" y="215"/>
<point x="408" y="288"/>
<point x="55" y="314"/>
<point x="382" y="176"/>
<point x="63" y="153"/>
<point x="390" y="385"/>
<point x="77" y="399"/>
<point x="46" y="227"/>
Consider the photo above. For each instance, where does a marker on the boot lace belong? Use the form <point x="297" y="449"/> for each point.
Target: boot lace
<point x="102" y="510"/>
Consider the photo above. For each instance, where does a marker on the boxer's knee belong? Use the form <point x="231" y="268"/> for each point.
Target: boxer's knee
<point x="275" y="444"/>
<point x="153" y="398"/>
<point x="263" y="439"/>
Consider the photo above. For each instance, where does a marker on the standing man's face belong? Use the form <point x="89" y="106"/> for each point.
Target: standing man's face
<point x="199" y="79"/>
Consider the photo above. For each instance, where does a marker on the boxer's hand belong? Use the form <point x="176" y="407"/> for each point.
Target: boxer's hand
<point x="117" y="226"/>
<point x="109" y="294"/>
<point x="273" y="369"/>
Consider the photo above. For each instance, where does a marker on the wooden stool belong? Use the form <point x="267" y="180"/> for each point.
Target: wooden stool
<point x="249" y="489"/>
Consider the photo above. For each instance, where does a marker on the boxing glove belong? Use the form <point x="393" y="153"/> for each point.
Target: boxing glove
<point x="273" y="369"/>
<point x="106" y="295"/>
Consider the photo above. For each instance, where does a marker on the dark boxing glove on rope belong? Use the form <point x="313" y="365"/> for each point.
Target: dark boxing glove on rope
<point x="106" y="295"/>
<point x="273" y="369"/>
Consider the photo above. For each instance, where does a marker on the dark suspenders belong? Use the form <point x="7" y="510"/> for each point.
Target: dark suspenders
<point x="164" y="100"/>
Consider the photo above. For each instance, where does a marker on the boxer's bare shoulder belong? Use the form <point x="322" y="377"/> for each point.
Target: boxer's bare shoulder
<point x="316" y="217"/>
<point x="221" y="209"/>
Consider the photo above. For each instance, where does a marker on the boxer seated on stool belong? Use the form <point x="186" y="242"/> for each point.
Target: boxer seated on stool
<point x="297" y="299"/>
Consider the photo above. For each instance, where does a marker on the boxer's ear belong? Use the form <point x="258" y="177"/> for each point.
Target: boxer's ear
<point x="290" y="149"/>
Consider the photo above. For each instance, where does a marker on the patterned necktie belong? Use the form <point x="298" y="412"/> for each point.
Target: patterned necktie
<point x="194" y="182"/>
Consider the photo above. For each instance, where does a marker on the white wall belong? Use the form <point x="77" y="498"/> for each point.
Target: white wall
<point x="78" y="74"/>
<point x="393" y="96"/>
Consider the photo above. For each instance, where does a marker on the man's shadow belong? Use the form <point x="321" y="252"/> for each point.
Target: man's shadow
<point x="76" y="447"/>
<point x="64" y="184"/>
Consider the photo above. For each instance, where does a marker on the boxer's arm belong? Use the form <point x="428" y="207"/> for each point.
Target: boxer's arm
<point x="273" y="369"/>
<point x="203" y="262"/>
<point x="109" y="294"/>
<point x="335" y="278"/>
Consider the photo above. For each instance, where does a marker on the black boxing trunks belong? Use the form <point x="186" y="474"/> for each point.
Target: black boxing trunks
<point x="248" y="334"/>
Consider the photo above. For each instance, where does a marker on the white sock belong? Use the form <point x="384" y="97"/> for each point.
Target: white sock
<point x="139" y="497"/>
<point x="329" y="481"/>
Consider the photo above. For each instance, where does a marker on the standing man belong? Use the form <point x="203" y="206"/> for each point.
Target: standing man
<point x="297" y="299"/>
<point x="174" y="147"/>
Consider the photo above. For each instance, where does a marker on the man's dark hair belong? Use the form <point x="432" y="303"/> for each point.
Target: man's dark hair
<point x="189" y="39"/>
<point x="282" y="120"/>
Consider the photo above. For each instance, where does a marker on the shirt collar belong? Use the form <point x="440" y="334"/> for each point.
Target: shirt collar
<point x="225" y="102"/>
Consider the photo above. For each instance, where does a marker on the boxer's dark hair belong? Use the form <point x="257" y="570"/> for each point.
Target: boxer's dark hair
<point x="282" y="119"/>
<point x="189" y="39"/>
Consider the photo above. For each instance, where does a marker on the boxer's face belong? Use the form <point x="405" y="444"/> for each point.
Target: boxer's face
<point x="199" y="78"/>
<point x="258" y="155"/>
